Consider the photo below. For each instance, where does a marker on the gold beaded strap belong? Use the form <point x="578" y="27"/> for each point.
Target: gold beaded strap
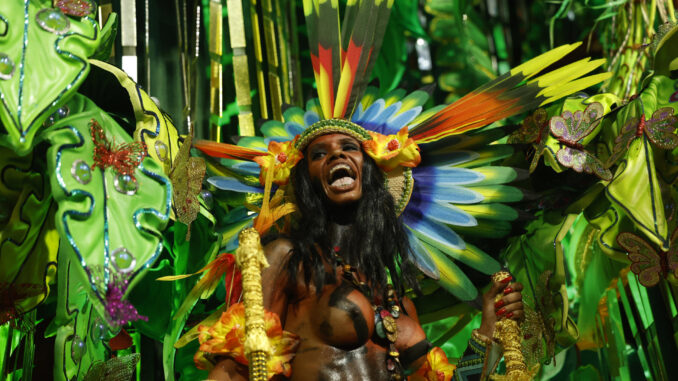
<point x="507" y="333"/>
<point x="251" y="260"/>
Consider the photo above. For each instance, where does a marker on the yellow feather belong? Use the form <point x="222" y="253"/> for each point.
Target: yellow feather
<point x="324" y="90"/>
<point x="537" y="64"/>
<point x="556" y="92"/>
<point x="342" y="91"/>
<point x="568" y="73"/>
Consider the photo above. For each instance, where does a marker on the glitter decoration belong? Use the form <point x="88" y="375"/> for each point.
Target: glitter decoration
<point x="81" y="172"/>
<point x="125" y="184"/>
<point x="53" y="20"/>
<point x="123" y="260"/>
<point x="120" y="312"/>
<point x="124" y="158"/>
<point x="161" y="150"/>
<point x="78" y="349"/>
<point x="77" y="8"/>
<point x="6" y="67"/>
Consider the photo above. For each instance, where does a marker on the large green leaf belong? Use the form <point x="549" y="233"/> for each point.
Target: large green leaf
<point x="98" y="218"/>
<point x="43" y="60"/>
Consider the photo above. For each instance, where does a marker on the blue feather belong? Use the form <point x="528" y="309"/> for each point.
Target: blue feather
<point x="449" y="193"/>
<point x="447" y="176"/>
<point x="451" y="277"/>
<point x="358" y="113"/>
<point x="448" y="214"/>
<point x="375" y="109"/>
<point x="421" y="257"/>
<point x="432" y="232"/>
<point x="231" y="184"/>
<point x="246" y="168"/>
<point x="293" y="129"/>
<point x="403" y="119"/>
<point x="387" y="113"/>
<point x="310" y="117"/>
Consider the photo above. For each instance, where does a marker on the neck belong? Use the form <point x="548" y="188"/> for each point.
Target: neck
<point x="337" y="233"/>
<point x="341" y="214"/>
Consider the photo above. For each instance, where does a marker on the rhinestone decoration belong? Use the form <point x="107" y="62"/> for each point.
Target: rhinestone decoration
<point x="77" y="8"/>
<point x="81" y="172"/>
<point x="161" y="150"/>
<point x="126" y="184"/>
<point x="98" y="331"/>
<point x="6" y="66"/>
<point x="123" y="260"/>
<point x="77" y="349"/>
<point x="59" y="114"/>
<point x="207" y="198"/>
<point x="52" y="20"/>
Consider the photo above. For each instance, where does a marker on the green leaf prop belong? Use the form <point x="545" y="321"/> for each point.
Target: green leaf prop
<point x="28" y="239"/>
<point x="109" y="223"/>
<point x="43" y="60"/>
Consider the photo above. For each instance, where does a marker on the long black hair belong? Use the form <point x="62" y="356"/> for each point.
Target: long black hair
<point x="375" y="242"/>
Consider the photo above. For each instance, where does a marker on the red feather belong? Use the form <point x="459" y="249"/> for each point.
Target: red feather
<point x="227" y="151"/>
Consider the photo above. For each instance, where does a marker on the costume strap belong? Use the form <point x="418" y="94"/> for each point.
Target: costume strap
<point x="250" y="257"/>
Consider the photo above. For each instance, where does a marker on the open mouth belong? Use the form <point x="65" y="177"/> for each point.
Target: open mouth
<point x="341" y="176"/>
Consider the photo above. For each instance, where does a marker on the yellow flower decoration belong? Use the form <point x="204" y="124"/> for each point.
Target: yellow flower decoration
<point x="391" y="151"/>
<point x="227" y="338"/>
<point x="282" y="157"/>
<point x="436" y="368"/>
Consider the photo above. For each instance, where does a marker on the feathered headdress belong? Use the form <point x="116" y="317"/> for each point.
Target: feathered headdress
<point x="436" y="163"/>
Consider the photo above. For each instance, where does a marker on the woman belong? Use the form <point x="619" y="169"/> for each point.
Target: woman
<point x="328" y="281"/>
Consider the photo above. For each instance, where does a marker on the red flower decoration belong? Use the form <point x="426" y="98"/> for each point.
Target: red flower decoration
<point x="125" y="158"/>
<point x="436" y="368"/>
<point x="78" y="8"/>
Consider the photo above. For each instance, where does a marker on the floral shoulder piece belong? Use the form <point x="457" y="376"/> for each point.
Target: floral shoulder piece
<point x="435" y="368"/>
<point x="227" y="338"/>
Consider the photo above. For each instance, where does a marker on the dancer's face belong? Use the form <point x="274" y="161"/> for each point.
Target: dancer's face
<point x="335" y="162"/>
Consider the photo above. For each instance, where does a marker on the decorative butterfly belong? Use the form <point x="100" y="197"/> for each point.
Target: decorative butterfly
<point x="125" y="158"/>
<point x="570" y="129"/>
<point x="533" y="130"/>
<point x="77" y="8"/>
<point x="646" y="263"/>
<point x="186" y="174"/>
<point x="660" y="130"/>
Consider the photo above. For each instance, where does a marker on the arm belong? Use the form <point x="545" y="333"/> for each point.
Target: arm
<point x="479" y="358"/>
<point x="273" y="280"/>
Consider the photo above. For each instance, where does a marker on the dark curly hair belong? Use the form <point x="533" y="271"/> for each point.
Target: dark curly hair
<point x="375" y="242"/>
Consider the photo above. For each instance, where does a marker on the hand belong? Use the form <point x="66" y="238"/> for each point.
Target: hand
<point x="509" y="306"/>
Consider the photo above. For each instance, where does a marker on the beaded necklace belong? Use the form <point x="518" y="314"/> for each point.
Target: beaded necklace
<point x="384" y="316"/>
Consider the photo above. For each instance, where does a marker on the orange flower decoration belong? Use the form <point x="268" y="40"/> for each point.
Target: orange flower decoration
<point x="436" y="368"/>
<point x="392" y="151"/>
<point x="227" y="337"/>
<point x="282" y="157"/>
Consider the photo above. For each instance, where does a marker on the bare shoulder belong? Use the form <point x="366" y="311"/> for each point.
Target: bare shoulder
<point x="278" y="251"/>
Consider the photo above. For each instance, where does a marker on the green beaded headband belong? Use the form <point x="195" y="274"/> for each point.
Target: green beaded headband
<point x="331" y="126"/>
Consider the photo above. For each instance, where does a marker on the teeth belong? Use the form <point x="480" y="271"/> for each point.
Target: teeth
<point x="343" y="182"/>
<point x="340" y="166"/>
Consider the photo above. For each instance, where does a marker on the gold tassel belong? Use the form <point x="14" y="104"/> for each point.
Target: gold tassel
<point x="251" y="260"/>
<point x="507" y="333"/>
